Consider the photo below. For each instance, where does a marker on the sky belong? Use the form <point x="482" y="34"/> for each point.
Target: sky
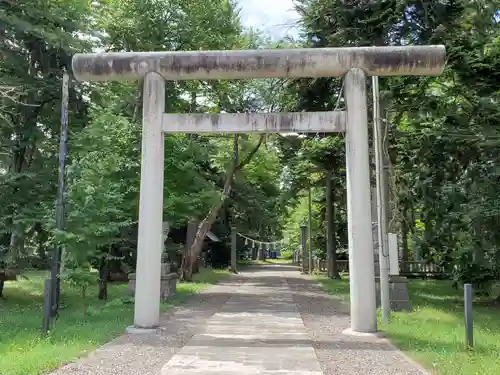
<point x="276" y="17"/>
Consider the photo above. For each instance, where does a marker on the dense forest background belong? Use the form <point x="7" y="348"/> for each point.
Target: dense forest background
<point x="442" y="132"/>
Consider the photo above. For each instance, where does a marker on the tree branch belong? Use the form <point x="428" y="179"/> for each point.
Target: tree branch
<point x="251" y="154"/>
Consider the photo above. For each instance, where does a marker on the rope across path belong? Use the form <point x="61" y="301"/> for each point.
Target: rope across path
<point x="271" y="248"/>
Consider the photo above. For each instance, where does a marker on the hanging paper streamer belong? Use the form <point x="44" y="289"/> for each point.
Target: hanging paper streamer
<point x="271" y="249"/>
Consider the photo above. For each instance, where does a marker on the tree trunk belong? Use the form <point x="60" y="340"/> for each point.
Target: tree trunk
<point x="84" y="300"/>
<point x="2" y="283"/>
<point x="196" y="265"/>
<point x="17" y="242"/>
<point x="195" y="250"/>
<point x="190" y="235"/>
<point x="414" y="250"/>
<point x="331" y="251"/>
<point x="103" y="279"/>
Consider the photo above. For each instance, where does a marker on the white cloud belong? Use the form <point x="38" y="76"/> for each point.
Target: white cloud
<point x="277" y="17"/>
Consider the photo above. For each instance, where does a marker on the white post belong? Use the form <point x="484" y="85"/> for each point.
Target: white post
<point x="383" y="248"/>
<point x="414" y="248"/>
<point x="149" y="241"/>
<point x="393" y="253"/>
<point x="361" y="263"/>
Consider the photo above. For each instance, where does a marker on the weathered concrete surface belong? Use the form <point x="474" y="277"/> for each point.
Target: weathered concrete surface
<point x="262" y="63"/>
<point x="258" y="331"/>
<point x="309" y="122"/>
<point x="266" y="320"/>
<point x="146" y="354"/>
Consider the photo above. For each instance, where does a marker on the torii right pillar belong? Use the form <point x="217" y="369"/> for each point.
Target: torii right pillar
<point x="361" y="263"/>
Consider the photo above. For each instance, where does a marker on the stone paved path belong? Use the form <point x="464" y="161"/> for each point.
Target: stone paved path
<point x="267" y="320"/>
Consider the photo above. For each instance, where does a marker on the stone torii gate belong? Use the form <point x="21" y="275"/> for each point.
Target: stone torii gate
<point x="354" y="64"/>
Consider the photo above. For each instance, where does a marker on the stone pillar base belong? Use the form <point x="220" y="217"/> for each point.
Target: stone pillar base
<point x="399" y="294"/>
<point x="168" y="286"/>
<point x="133" y="330"/>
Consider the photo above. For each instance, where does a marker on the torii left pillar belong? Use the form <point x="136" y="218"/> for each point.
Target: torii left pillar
<point x="149" y="239"/>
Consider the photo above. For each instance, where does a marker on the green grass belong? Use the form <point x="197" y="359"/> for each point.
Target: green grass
<point x="279" y="261"/>
<point x="23" y="351"/>
<point x="434" y="334"/>
<point x="337" y="288"/>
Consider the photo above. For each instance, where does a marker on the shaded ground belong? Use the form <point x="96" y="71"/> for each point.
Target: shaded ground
<point x="434" y="333"/>
<point x="325" y="318"/>
<point x="267" y="320"/>
<point x="23" y="351"/>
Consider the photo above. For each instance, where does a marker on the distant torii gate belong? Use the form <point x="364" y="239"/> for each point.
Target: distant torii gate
<point x="353" y="63"/>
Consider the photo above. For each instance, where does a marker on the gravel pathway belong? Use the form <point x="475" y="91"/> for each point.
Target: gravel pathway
<point x="143" y="354"/>
<point x="325" y="318"/>
<point x="267" y="320"/>
<point x="258" y="331"/>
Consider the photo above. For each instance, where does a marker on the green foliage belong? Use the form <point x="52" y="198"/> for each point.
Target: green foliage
<point x="80" y="277"/>
<point x="442" y="131"/>
<point x="24" y="351"/>
<point x="103" y="174"/>
<point x="434" y="333"/>
<point x="313" y="157"/>
<point x="39" y="39"/>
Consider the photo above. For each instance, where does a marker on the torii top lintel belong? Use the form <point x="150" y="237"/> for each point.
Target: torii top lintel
<point x="262" y="63"/>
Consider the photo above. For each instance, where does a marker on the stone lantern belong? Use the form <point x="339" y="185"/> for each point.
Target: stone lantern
<point x="168" y="284"/>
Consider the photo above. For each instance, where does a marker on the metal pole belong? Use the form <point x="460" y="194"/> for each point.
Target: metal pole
<point x="310" y="232"/>
<point x="468" y="315"/>
<point x="330" y="235"/>
<point x="47" y="308"/>
<point x="234" y="251"/>
<point x="55" y="283"/>
<point x="385" y="301"/>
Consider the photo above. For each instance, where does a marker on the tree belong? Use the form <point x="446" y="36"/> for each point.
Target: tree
<point x="441" y="130"/>
<point x="192" y="254"/>
<point x="38" y="39"/>
<point x="103" y="172"/>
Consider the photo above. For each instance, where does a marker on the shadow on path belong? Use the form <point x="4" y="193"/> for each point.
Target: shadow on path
<point x="268" y="319"/>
